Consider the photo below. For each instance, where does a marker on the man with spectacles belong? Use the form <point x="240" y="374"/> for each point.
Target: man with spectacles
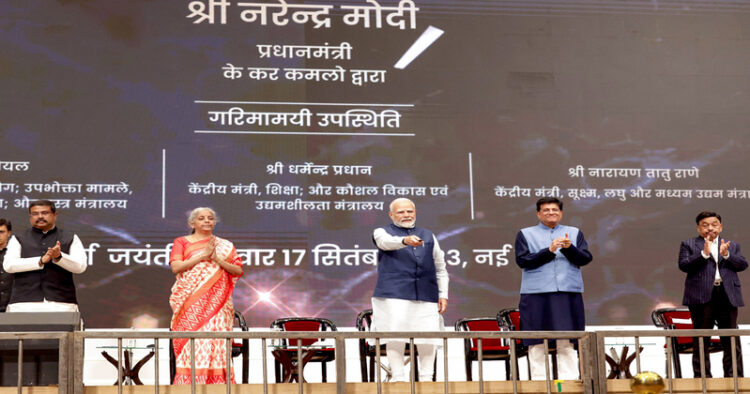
<point x="712" y="287"/>
<point x="43" y="260"/>
<point x="551" y="256"/>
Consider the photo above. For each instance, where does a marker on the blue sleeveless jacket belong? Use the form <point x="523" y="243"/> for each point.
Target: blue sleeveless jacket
<point x="407" y="273"/>
<point x="559" y="274"/>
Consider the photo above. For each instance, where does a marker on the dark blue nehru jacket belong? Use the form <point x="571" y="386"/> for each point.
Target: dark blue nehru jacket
<point x="407" y="273"/>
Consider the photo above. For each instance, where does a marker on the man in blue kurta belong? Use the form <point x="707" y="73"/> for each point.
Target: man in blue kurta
<point x="551" y="256"/>
<point x="412" y="288"/>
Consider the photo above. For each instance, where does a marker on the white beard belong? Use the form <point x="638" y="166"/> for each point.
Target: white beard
<point x="414" y="223"/>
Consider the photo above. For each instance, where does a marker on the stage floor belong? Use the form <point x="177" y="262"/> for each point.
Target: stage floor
<point x="683" y="386"/>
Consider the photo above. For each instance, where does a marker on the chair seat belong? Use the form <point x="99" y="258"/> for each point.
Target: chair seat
<point x="321" y="355"/>
<point x="689" y="340"/>
<point x="370" y="349"/>
<point x="236" y="349"/>
<point x="687" y="343"/>
<point x="486" y="349"/>
<point x="323" y="350"/>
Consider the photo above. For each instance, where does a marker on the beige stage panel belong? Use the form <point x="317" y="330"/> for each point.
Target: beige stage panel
<point x="351" y="388"/>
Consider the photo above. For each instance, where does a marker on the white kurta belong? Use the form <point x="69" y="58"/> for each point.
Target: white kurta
<point x="394" y="314"/>
<point x="75" y="262"/>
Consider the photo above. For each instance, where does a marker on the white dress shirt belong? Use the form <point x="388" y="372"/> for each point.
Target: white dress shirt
<point x="715" y="255"/>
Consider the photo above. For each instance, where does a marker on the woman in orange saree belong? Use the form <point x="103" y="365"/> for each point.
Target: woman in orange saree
<point x="207" y="268"/>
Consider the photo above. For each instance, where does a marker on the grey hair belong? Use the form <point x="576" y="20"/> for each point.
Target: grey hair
<point x="400" y="200"/>
<point x="194" y="213"/>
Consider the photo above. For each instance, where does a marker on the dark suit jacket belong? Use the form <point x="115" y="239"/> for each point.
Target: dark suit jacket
<point x="701" y="272"/>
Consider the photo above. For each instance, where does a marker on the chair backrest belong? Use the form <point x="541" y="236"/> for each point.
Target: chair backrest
<point x="303" y="324"/>
<point x="510" y="319"/>
<point x="239" y="321"/>
<point x="238" y="344"/>
<point x="674" y="319"/>
<point x="480" y="324"/>
<point x="364" y="320"/>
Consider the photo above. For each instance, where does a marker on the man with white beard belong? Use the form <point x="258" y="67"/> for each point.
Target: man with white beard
<point x="412" y="288"/>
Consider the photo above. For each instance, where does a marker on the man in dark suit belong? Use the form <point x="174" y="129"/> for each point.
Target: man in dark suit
<point x="6" y="278"/>
<point x="712" y="288"/>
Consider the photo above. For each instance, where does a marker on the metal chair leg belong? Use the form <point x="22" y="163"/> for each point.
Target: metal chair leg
<point x="372" y="369"/>
<point x="277" y="371"/>
<point x="387" y="370"/>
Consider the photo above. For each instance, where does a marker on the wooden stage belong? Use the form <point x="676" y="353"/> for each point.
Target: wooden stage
<point x="683" y="386"/>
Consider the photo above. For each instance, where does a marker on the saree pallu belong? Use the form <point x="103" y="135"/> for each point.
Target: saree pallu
<point x="201" y="300"/>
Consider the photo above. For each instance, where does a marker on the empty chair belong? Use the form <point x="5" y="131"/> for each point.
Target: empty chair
<point x="322" y="355"/>
<point x="492" y="348"/>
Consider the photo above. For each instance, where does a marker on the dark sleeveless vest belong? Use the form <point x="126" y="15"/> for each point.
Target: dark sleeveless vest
<point x="52" y="282"/>
<point x="6" y="283"/>
<point x="408" y="273"/>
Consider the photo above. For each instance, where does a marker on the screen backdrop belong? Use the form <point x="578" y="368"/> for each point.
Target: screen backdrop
<point x="295" y="122"/>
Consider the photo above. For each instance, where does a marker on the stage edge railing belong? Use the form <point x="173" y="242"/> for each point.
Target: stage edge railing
<point x="591" y="351"/>
<point x="668" y="351"/>
<point x="586" y="340"/>
<point x="65" y="355"/>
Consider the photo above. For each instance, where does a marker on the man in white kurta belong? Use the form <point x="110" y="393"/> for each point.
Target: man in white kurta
<point x="43" y="260"/>
<point x="412" y="288"/>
